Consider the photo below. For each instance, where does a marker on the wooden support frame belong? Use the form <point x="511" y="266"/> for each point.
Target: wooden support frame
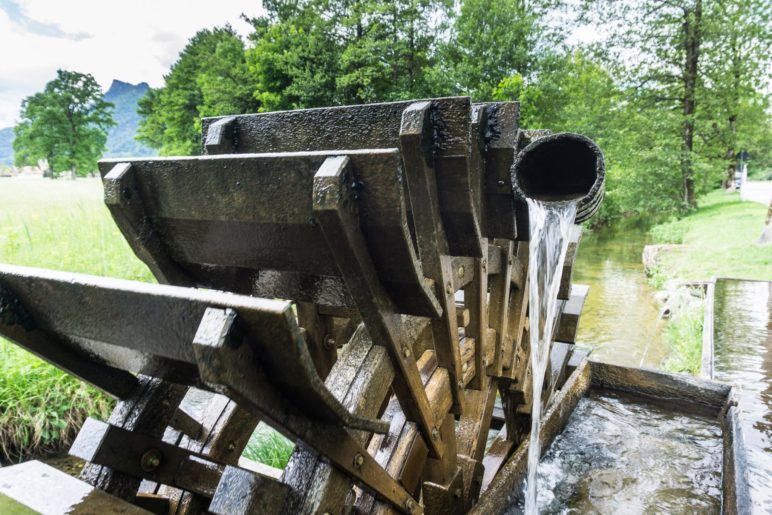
<point x="229" y="367"/>
<point x="416" y="142"/>
<point x="336" y="210"/>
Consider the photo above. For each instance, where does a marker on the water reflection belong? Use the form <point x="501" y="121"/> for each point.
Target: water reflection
<point x="743" y="356"/>
<point x="620" y="319"/>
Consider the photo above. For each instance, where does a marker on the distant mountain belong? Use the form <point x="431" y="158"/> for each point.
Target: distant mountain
<point x="6" y="146"/>
<point x="120" y="139"/>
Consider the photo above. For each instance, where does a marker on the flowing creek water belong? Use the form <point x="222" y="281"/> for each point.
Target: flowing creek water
<point x="743" y="356"/>
<point x="619" y="454"/>
<point x="623" y="454"/>
<point x="620" y="320"/>
<point x="549" y="224"/>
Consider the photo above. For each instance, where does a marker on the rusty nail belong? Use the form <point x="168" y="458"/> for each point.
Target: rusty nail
<point x="358" y="460"/>
<point x="150" y="460"/>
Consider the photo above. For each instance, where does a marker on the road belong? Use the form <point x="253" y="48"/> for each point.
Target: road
<point x="757" y="191"/>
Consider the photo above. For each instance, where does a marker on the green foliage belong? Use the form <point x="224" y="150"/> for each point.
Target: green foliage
<point x="719" y="240"/>
<point x="41" y="408"/>
<point x="683" y="335"/>
<point x="669" y="232"/>
<point x="672" y="92"/>
<point x="210" y="77"/>
<point x="294" y="62"/>
<point x="66" y="124"/>
<point x="268" y="446"/>
<point x="493" y="40"/>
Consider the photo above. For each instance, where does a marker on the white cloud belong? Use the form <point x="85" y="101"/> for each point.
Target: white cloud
<point x="134" y="41"/>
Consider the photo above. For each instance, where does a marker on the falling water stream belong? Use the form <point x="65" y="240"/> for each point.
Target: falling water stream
<point x="549" y="225"/>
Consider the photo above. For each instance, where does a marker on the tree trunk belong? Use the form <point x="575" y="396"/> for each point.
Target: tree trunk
<point x="692" y="32"/>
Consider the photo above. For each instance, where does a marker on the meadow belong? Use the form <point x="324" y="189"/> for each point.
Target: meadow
<point x="64" y="225"/>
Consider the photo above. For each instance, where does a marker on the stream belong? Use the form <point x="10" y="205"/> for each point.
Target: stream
<point x="620" y="320"/>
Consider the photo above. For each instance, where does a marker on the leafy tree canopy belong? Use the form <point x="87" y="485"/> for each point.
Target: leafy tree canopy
<point x="66" y="124"/>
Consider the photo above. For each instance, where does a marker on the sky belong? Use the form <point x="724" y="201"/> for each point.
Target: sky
<point x="130" y="40"/>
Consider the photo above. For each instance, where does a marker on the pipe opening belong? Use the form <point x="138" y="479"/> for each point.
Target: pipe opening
<point x="557" y="168"/>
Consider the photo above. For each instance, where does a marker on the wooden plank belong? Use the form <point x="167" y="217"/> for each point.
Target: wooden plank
<point x="564" y="290"/>
<point x="433" y="244"/>
<point x="659" y="385"/>
<point x="280" y="236"/>
<point x="706" y="363"/>
<point x="509" y="480"/>
<point x="569" y="316"/>
<point x="34" y="487"/>
<point x="735" y="466"/>
<point x="499" y="305"/>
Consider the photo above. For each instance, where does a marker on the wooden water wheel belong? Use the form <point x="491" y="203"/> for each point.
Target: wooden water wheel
<point x="395" y="232"/>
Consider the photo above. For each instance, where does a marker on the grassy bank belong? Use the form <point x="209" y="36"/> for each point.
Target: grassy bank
<point x="716" y="240"/>
<point x="62" y="225"/>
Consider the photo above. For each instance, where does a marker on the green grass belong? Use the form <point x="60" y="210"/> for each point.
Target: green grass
<point x="268" y="446"/>
<point x="719" y="240"/>
<point x="683" y="335"/>
<point x="62" y="225"/>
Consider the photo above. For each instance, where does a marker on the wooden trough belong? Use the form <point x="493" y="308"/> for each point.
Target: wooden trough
<point x="718" y="399"/>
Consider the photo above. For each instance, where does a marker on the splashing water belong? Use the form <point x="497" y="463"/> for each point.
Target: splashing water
<point x="550" y="224"/>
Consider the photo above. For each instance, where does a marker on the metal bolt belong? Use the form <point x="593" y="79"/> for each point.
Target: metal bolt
<point x="329" y="341"/>
<point x="461" y="271"/>
<point x="460" y="383"/>
<point x="457" y="493"/>
<point x="358" y="460"/>
<point x="500" y="183"/>
<point x="484" y="265"/>
<point x="151" y="460"/>
<point x="406" y="352"/>
<point x="485" y="362"/>
<point x="465" y="367"/>
<point x="435" y="433"/>
<point x="410" y="505"/>
<point x="231" y="446"/>
<point x="449" y="289"/>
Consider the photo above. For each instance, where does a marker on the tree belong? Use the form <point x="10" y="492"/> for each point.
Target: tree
<point x="210" y="77"/>
<point x="662" y="43"/>
<point x="294" y="61"/>
<point x="66" y="124"/>
<point x="736" y="62"/>
<point x="495" y="39"/>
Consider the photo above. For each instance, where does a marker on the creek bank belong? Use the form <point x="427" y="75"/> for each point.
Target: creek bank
<point x="719" y="239"/>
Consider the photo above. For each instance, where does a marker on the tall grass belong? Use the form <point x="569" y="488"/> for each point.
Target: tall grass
<point x="62" y="225"/>
<point x="268" y="446"/>
<point x="683" y="333"/>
